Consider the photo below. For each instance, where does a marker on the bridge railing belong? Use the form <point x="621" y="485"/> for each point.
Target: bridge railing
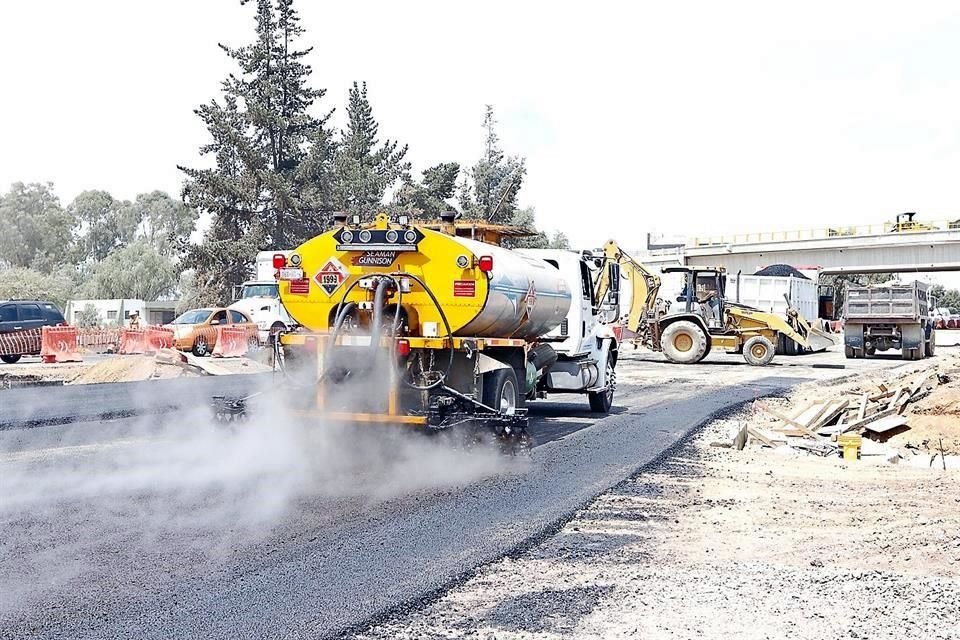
<point x="824" y="232"/>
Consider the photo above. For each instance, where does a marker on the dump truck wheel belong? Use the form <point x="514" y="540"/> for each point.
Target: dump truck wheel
<point x="10" y="358"/>
<point x="501" y="390"/>
<point x="684" y="342"/>
<point x="932" y="344"/>
<point x="601" y="402"/>
<point x="758" y="351"/>
<point x="850" y="352"/>
<point x="871" y="351"/>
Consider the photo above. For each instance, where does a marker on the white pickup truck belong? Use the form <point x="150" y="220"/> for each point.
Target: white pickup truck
<point x="260" y="299"/>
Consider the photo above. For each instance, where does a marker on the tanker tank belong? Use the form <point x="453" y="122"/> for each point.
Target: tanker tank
<point x="484" y="290"/>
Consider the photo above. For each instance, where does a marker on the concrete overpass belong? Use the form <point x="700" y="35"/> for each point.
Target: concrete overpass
<point x="875" y="248"/>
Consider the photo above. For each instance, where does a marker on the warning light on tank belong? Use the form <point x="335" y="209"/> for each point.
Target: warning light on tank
<point x="485" y="263"/>
<point x="279" y="261"/>
<point x="403" y="348"/>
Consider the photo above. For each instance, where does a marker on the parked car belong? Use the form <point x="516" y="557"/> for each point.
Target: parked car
<point x="196" y="330"/>
<point x="20" y="327"/>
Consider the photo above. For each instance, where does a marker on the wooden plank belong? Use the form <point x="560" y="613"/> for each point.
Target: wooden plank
<point x="886" y="424"/>
<point x="756" y="433"/>
<point x="790" y="421"/>
<point x="920" y="382"/>
<point x="862" y="411"/>
<point x="859" y="424"/>
<point x="828" y="416"/>
<point x="896" y="398"/>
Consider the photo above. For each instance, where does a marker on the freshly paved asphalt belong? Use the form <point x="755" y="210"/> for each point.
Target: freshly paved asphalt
<point x="161" y="527"/>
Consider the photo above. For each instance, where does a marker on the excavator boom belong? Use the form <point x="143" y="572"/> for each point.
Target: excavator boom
<point x="644" y="286"/>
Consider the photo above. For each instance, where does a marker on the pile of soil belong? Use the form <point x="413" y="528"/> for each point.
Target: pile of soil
<point x="781" y="270"/>
<point x="127" y="369"/>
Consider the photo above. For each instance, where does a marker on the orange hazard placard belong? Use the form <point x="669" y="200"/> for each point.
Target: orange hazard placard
<point x="231" y="342"/>
<point x="59" y="344"/>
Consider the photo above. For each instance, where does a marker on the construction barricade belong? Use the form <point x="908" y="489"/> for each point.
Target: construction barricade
<point x="18" y="343"/>
<point x="231" y="342"/>
<point x="59" y="344"/>
<point x="133" y="341"/>
<point x="159" y="338"/>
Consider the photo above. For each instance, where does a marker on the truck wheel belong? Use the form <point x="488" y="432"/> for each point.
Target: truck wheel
<point x="601" y="402"/>
<point x="501" y="390"/>
<point x="850" y="352"/>
<point x="908" y="353"/>
<point x="10" y="358"/>
<point x="932" y="344"/>
<point x="684" y="342"/>
<point x="871" y="351"/>
<point x="758" y="351"/>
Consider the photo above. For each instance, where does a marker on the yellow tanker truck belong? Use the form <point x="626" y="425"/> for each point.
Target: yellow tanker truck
<point x="436" y="326"/>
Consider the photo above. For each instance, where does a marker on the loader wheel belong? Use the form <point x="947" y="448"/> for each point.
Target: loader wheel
<point x="501" y="390"/>
<point x="758" y="351"/>
<point x="601" y="402"/>
<point x="684" y="342"/>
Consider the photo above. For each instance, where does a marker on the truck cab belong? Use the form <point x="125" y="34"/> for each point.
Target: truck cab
<point x="260" y="300"/>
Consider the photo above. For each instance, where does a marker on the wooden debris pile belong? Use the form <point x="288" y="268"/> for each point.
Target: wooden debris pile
<point x="876" y="414"/>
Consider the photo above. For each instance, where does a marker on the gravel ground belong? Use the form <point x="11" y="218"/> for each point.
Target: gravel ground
<point x="715" y="543"/>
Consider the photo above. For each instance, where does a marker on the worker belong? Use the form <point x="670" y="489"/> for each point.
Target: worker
<point x="135" y="320"/>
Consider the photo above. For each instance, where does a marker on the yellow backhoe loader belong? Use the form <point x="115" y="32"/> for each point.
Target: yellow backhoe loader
<point x="701" y="318"/>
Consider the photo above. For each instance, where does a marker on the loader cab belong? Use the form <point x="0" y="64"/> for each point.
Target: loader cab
<point x="703" y="293"/>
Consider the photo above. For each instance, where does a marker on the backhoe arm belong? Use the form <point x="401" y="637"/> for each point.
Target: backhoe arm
<point x="644" y="285"/>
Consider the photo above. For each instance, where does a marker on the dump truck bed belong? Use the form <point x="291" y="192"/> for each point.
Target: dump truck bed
<point x="898" y="302"/>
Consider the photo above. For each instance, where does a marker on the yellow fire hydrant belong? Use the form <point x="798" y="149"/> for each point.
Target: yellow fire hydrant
<point x="850" y="444"/>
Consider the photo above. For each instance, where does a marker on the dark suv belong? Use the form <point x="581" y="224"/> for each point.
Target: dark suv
<point x="20" y="323"/>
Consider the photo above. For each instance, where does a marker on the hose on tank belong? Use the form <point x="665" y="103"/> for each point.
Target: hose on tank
<point x="446" y="326"/>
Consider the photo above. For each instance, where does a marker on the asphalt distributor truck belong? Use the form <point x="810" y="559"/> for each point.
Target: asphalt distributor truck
<point x="439" y="328"/>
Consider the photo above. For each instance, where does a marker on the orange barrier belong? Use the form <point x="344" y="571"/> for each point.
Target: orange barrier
<point x="18" y="343"/>
<point x="98" y="336"/>
<point x="59" y="344"/>
<point x="231" y="342"/>
<point x="159" y="338"/>
<point x="133" y="341"/>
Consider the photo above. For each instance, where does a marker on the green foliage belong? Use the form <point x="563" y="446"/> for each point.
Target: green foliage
<point x="526" y="219"/>
<point x="949" y="298"/>
<point x="105" y="224"/>
<point x="559" y="240"/>
<point x="427" y="199"/>
<point x="271" y="184"/>
<point x="496" y="180"/>
<point x="138" y="271"/>
<point x="164" y="222"/>
<point x="31" y="284"/>
<point x="37" y="231"/>
<point x="88" y="317"/>
<point x="364" y="169"/>
<point x="840" y="281"/>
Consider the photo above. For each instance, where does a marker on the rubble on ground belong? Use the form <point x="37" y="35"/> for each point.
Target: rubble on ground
<point x="910" y="413"/>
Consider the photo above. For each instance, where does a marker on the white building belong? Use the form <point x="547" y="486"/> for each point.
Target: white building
<point x="118" y="311"/>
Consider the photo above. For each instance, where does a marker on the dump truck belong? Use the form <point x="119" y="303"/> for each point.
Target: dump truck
<point x="437" y="327"/>
<point x="889" y="316"/>
<point x="260" y="299"/>
<point x="688" y="328"/>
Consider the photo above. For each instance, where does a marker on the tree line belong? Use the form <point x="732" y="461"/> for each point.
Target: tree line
<point x="276" y="172"/>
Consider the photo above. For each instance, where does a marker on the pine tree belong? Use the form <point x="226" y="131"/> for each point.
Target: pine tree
<point x="364" y="170"/>
<point x="497" y="179"/>
<point x="427" y="199"/>
<point x="271" y="183"/>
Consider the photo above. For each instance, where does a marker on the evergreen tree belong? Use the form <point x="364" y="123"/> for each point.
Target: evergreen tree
<point x="497" y="179"/>
<point x="365" y="170"/>
<point x="427" y="199"/>
<point x="37" y="231"/>
<point x="271" y="183"/>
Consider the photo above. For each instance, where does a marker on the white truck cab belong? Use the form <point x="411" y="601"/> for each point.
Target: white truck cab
<point x="585" y="343"/>
<point x="260" y="299"/>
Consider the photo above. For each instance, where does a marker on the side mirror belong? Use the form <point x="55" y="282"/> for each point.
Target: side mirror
<point x="214" y="322"/>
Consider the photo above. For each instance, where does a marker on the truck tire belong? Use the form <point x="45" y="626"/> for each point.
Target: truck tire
<point x="912" y="342"/>
<point x="850" y="353"/>
<point x="501" y="390"/>
<point x="684" y="342"/>
<point x="10" y="358"/>
<point x="932" y="344"/>
<point x="602" y="401"/>
<point x="758" y="351"/>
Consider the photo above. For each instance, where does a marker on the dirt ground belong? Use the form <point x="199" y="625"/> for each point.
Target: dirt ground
<point x="719" y="543"/>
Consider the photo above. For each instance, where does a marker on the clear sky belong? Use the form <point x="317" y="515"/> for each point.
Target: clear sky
<point x="673" y="117"/>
